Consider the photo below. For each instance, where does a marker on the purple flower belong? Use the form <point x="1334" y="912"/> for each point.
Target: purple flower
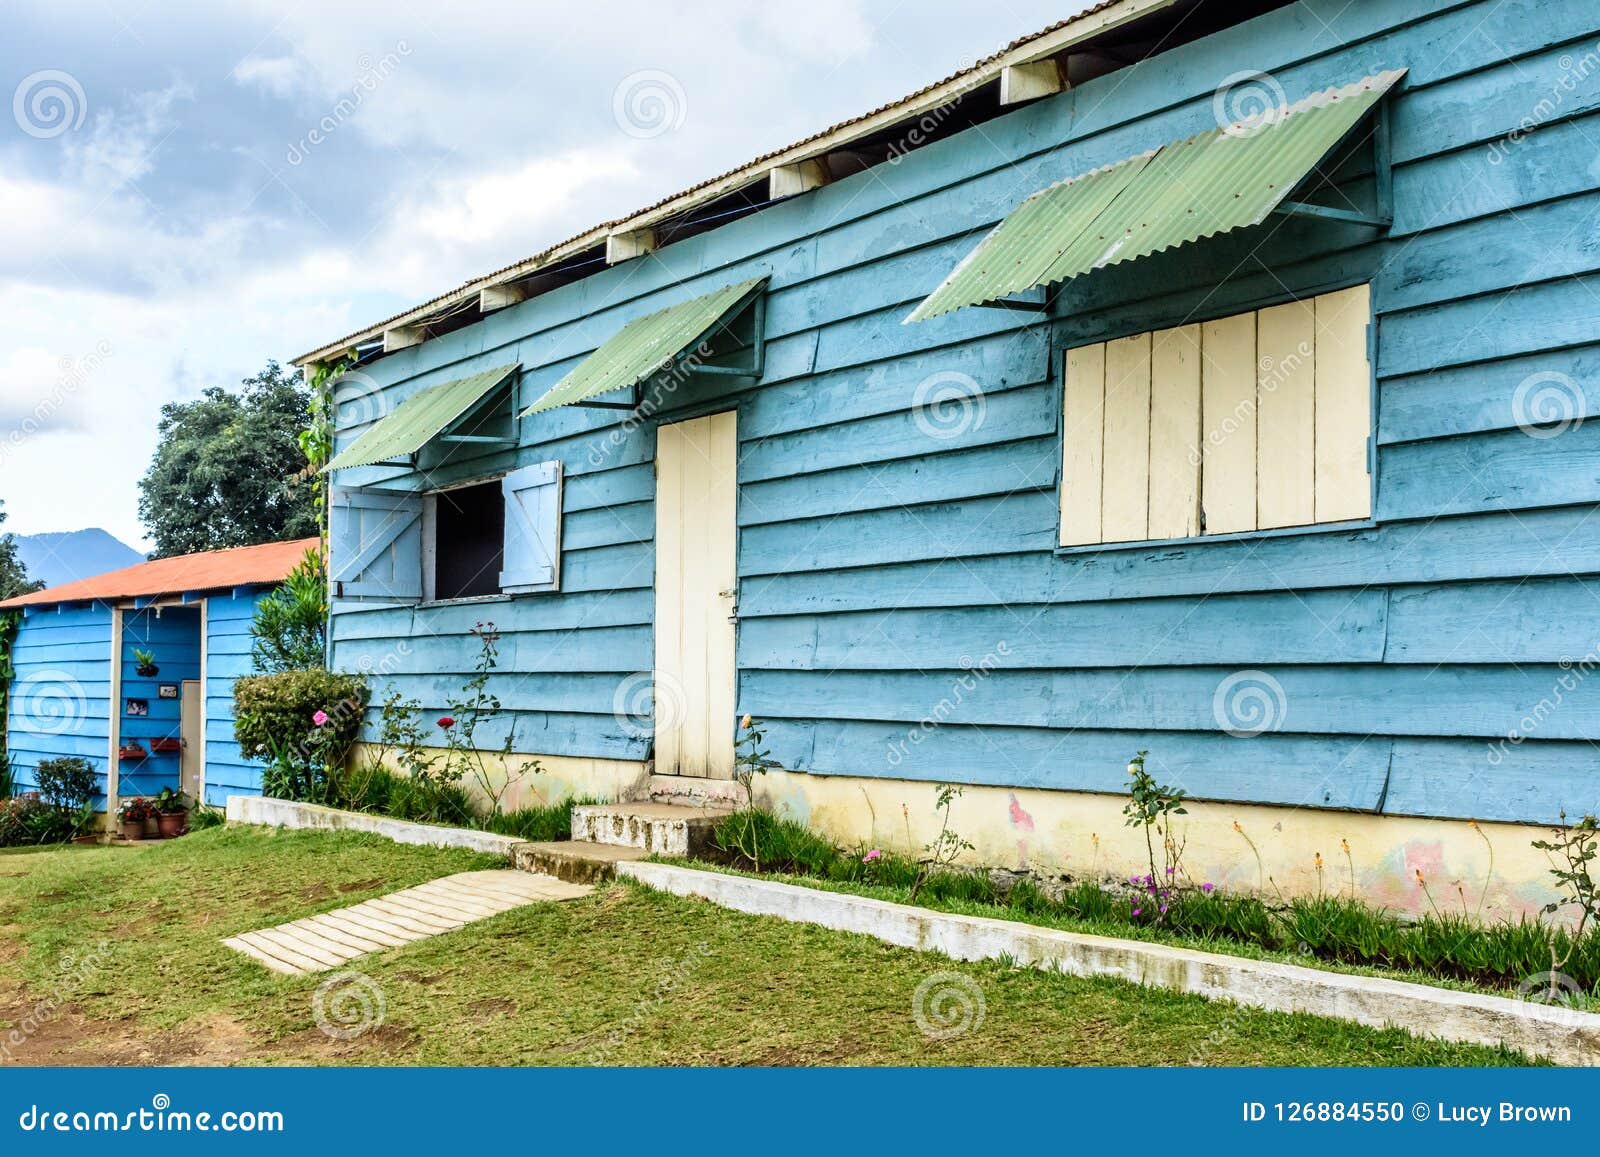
<point x="1207" y="887"/>
<point x="1136" y="911"/>
<point x="1171" y="870"/>
<point x="1163" y="907"/>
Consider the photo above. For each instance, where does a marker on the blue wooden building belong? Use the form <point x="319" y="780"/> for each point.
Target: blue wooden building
<point x="1194" y="377"/>
<point x="79" y="688"/>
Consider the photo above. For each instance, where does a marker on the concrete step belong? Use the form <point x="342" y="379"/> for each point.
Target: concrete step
<point x="576" y="863"/>
<point x="695" y="791"/>
<point x="659" y="828"/>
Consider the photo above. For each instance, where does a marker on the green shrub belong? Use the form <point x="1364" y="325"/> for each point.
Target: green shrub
<point x="279" y="710"/>
<point x="289" y="631"/>
<point x="66" y="783"/>
<point x="8" y="775"/>
<point x="27" y="820"/>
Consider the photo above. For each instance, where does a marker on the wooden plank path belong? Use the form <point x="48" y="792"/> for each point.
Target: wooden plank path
<point x="332" y="939"/>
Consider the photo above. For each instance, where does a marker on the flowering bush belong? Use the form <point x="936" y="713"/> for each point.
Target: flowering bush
<point x="303" y="723"/>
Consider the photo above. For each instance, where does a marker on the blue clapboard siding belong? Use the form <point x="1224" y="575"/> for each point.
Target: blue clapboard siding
<point x="227" y="645"/>
<point x="880" y="561"/>
<point x="60" y="697"/>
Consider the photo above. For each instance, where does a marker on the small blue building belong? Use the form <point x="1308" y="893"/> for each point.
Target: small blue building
<point x="1197" y="377"/>
<point x="79" y="689"/>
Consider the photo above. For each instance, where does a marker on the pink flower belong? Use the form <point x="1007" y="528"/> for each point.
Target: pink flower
<point x="874" y="854"/>
<point x="447" y="722"/>
<point x="1136" y="911"/>
<point x="320" y="718"/>
<point x="1207" y="887"/>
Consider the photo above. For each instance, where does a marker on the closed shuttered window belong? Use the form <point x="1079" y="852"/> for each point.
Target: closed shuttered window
<point x="1252" y="422"/>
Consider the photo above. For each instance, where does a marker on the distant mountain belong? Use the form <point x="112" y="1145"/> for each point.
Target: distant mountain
<point x="68" y="555"/>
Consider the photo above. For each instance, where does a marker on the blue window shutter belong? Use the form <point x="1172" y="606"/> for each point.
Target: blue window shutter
<point x="375" y="545"/>
<point x="533" y="529"/>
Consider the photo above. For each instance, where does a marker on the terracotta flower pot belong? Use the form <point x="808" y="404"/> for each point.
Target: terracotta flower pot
<point x="133" y="829"/>
<point x="172" y="824"/>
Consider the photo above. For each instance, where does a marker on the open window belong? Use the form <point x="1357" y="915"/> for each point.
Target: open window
<point x="483" y="539"/>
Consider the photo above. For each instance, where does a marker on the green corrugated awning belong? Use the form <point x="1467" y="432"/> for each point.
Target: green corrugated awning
<point x="647" y="345"/>
<point x="1229" y="178"/>
<point x="419" y="419"/>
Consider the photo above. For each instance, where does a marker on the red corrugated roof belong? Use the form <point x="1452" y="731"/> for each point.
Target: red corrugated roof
<point x="211" y="570"/>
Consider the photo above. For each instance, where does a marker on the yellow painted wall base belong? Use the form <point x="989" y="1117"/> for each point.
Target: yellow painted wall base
<point x="1490" y="871"/>
<point x="562" y="777"/>
<point x="1082" y="835"/>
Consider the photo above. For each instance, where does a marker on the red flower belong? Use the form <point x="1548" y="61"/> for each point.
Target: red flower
<point x="447" y="722"/>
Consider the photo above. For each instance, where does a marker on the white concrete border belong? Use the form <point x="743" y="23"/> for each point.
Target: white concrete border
<point x="1562" y="1034"/>
<point x="283" y="813"/>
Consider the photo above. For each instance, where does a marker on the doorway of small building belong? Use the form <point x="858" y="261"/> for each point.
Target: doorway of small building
<point x="696" y="598"/>
<point x="157" y="709"/>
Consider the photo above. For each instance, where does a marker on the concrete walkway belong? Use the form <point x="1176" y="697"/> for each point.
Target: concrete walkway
<point x="333" y="939"/>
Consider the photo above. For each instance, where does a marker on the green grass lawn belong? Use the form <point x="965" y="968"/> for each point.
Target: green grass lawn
<point x="625" y="976"/>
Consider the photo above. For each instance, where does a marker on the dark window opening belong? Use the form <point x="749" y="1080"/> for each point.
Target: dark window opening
<point x="468" y="541"/>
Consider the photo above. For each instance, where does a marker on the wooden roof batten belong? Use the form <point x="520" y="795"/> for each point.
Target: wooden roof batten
<point x="1024" y="71"/>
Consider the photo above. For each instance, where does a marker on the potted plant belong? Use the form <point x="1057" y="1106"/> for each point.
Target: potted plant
<point x="168" y="743"/>
<point x="172" y="813"/>
<point x="146" y="661"/>
<point x="132" y="816"/>
<point x="132" y="749"/>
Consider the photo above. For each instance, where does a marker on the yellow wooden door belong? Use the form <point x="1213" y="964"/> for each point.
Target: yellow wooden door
<point x="191" y="726"/>
<point x="696" y="600"/>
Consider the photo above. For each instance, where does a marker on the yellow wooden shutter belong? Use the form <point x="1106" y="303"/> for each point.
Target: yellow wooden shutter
<point x="1175" y="433"/>
<point x="1082" y="452"/>
<point x="1344" y="405"/>
<point x="1286" y="415"/>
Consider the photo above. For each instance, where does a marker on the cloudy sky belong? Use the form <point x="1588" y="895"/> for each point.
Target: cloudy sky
<point x="169" y="221"/>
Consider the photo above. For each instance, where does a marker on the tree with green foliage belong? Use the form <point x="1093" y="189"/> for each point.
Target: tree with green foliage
<point x="289" y="632"/>
<point x="14" y="579"/>
<point x="229" y="470"/>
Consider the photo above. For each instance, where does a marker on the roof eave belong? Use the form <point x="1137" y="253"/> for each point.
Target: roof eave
<point x="1094" y="21"/>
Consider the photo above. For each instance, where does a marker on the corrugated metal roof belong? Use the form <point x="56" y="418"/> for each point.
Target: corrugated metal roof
<point x="646" y="345"/>
<point x="1229" y="178"/>
<point x="1095" y="20"/>
<point x="211" y="570"/>
<point x="418" y="419"/>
